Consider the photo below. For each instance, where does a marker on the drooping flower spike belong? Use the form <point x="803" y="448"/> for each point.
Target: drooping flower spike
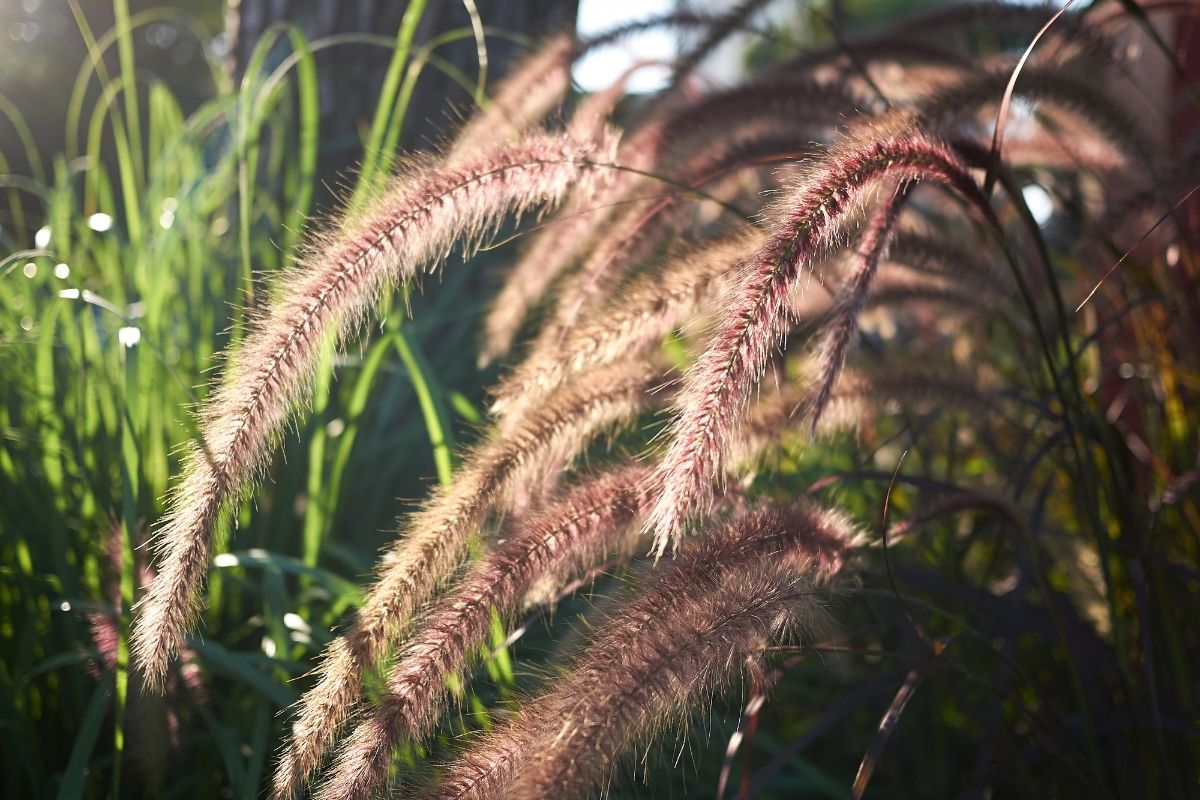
<point x="435" y="540"/>
<point x="405" y="231"/>
<point x="807" y="224"/>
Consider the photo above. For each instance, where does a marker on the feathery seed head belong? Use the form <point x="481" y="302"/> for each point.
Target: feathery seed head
<point x="689" y="629"/>
<point x="568" y="535"/>
<point x="806" y="226"/>
<point x="436" y="540"/>
<point x="406" y="230"/>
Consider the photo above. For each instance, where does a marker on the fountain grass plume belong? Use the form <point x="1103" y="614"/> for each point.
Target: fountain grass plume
<point x="542" y="262"/>
<point x="771" y="119"/>
<point x="436" y="539"/>
<point x="564" y="538"/>
<point x="696" y="128"/>
<point x="848" y="302"/>
<point x="703" y="645"/>
<point x="725" y="131"/>
<point x="680" y="20"/>
<point x="807" y="225"/>
<point x="547" y="255"/>
<point x="688" y="284"/>
<point x="637" y="319"/>
<point x="857" y="398"/>
<point x="552" y="252"/>
<point x="949" y="259"/>
<point x="721" y="28"/>
<point x="894" y="292"/>
<point x="693" y="137"/>
<point x="535" y="87"/>
<point x="407" y="229"/>
<point x="626" y="242"/>
<point x="565" y="240"/>
<point x="690" y="628"/>
<point x="540" y="83"/>
<point x="590" y="118"/>
<point x="957" y="102"/>
<point x="950" y="297"/>
<point x="696" y="240"/>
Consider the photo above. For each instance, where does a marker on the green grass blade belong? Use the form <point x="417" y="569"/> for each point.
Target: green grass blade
<point x="383" y="119"/>
<point x="130" y="480"/>
<point x="368" y="372"/>
<point x="252" y="113"/>
<point x="319" y="506"/>
<point x="25" y="137"/>
<point x="227" y="744"/>
<point x="132" y="114"/>
<point x="343" y="591"/>
<point x="308" y="129"/>
<point x="481" y="53"/>
<point x="246" y="668"/>
<point x="76" y="777"/>
<point x="429" y="397"/>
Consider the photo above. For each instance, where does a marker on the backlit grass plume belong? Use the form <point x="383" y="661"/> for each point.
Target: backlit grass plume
<point x="598" y="516"/>
<point x="681" y="146"/>
<point x="435" y="540"/>
<point x="841" y="284"/>
<point x="406" y="230"/>
<point x="808" y="224"/>
<point x="535" y="88"/>
<point x="695" y="627"/>
<point x="567" y="238"/>
<point x="849" y="300"/>
<point x="636" y="319"/>
<point x="565" y="537"/>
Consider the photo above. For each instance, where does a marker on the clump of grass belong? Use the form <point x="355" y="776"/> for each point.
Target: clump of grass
<point x="436" y="539"/>
<point x="836" y="244"/>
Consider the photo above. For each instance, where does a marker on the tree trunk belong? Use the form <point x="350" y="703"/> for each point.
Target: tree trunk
<point x="352" y="75"/>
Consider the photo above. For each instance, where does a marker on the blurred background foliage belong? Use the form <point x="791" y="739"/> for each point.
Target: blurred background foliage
<point x="132" y="225"/>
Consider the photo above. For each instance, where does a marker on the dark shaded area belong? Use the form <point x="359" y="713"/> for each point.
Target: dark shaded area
<point x="190" y="45"/>
<point x="351" y="75"/>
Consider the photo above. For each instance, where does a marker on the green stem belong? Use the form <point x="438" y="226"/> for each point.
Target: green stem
<point x="383" y="119"/>
<point x="130" y="477"/>
<point x="431" y="409"/>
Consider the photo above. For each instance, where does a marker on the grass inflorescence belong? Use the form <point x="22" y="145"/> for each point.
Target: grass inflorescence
<point x="781" y="387"/>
